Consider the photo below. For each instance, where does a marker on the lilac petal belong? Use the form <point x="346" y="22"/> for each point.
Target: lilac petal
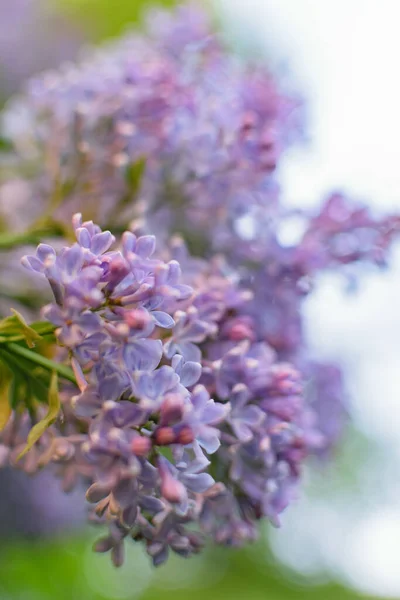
<point x="97" y="492"/>
<point x="89" y="348"/>
<point x="128" y="242"/>
<point x="214" y="412"/>
<point x="83" y="237"/>
<point x="197" y="465"/>
<point x="208" y="439"/>
<point x="160" y="275"/>
<point x="53" y="313"/>
<point x="118" y="555"/>
<point x="213" y="312"/>
<point x="142" y="355"/>
<point x="163" y="319"/>
<point x="111" y="387"/>
<point x="200" y="397"/>
<point x="160" y="557"/>
<point x="101" y="242"/>
<point x="190" y="351"/>
<point x="240" y="395"/>
<point x="125" y="492"/>
<point x="155" y="302"/>
<point x="151" y="504"/>
<point x="77" y="221"/>
<point x="174" y="272"/>
<point x="45" y="252"/>
<point x="149" y="474"/>
<point x="32" y="263"/>
<point x="242" y="431"/>
<point x="87" y="404"/>
<point x="165" y="379"/>
<point x="131" y="415"/>
<point x="252" y="415"/>
<point x="89" y="321"/>
<point x="145" y="246"/>
<point x="195" y="332"/>
<point x="129" y="515"/>
<point x="182" y="507"/>
<point x="153" y="385"/>
<point x="172" y="489"/>
<point x="198" y="483"/>
<point x="72" y="260"/>
<point x="177" y="363"/>
<point x="190" y="373"/>
<point x="185" y="291"/>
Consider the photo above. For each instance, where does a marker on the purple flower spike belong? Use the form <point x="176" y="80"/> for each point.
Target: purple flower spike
<point x="244" y="418"/>
<point x="203" y="416"/>
<point x="198" y="402"/>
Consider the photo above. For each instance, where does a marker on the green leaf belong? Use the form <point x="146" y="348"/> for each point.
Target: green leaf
<point x="54" y="408"/>
<point x="31" y="336"/>
<point x="5" y="388"/>
<point x="17" y="328"/>
<point x="166" y="452"/>
<point x="40" y="361"/>
<point x="133" y="175"/>
<point x="6" y="145"/>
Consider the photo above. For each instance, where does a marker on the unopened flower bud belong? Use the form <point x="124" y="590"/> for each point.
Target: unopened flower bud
<point x="141" y="445"/>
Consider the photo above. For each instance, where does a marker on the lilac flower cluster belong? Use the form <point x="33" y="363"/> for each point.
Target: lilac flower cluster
<point x="160" y="453"/>
<point x="112" y="313"/>
<point x="198" y="399"/>
<point x="206" y="125"/>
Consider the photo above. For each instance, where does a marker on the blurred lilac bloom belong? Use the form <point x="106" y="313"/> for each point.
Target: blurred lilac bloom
<point x="171" y="133"/>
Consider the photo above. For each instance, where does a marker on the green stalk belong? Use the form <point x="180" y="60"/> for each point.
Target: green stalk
<point x="62" y="370"/>
<point x="33" y="237"/>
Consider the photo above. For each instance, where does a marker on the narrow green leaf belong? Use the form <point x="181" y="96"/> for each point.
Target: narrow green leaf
<point x="41" y="361"/>
<point x="5" y="145"/>
<point x="133" y="175"/>
<point x="5" y="407"/>
<point x="54" y="408"/>
<point x="31" y="336"/>
<point x="43" y="327"/>
<point x="17" y="328"/>
<point x="5" y="389"/>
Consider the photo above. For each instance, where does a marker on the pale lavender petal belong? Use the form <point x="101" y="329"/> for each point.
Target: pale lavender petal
<point x="209" y="439"/>
<point x="83" y="237"/>
<point x="145" y="246"/>
<point x="101" y="242"/>
<point x="163" y="319"/>
<point x="190" y="373"/>
<point x="214" y="412"/>
<point x="32" y="263"/>
<point x="199" y="483"/>
<point x="45" y="252"/>
<point x="141" y="355"/>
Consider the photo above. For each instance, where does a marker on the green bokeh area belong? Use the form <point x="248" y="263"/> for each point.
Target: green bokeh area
<point x="102" y="19"/>
<point x="68" y="570"/>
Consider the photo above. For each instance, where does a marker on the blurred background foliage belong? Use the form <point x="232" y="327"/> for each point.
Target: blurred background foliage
<point x="65" y="568"/>
<point x="103" y="19"/>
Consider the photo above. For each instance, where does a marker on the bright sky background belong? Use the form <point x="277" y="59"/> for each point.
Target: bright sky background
<point x="343" y="56"/>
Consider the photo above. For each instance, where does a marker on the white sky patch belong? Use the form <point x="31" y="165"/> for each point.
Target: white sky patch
<point x="344" y="59"/>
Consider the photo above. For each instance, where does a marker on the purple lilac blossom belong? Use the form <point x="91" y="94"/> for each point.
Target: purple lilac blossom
<point x="198" y="398"/>
<point x="162" y="440"/>
<point x="207" y="126"/>
<point x="133" y="401"/>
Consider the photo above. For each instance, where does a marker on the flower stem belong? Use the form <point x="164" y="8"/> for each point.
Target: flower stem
<point x="30" y="237"/>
